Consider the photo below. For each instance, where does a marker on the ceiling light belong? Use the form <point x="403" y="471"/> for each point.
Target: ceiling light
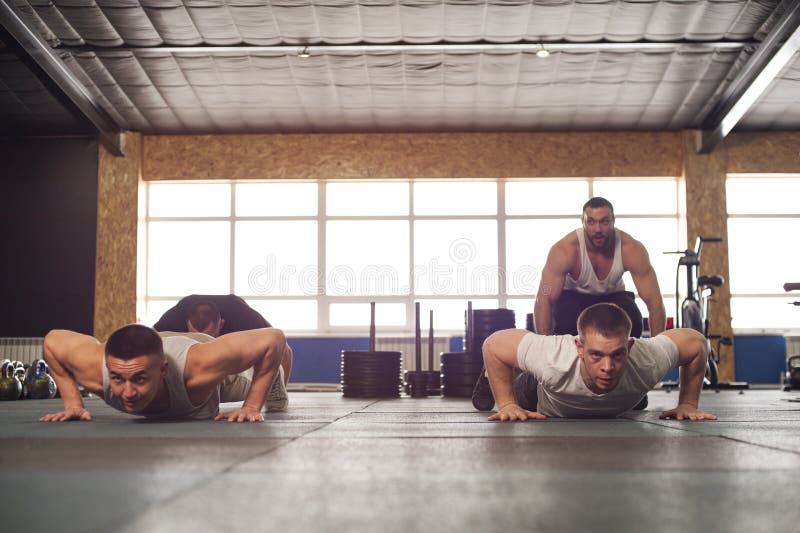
<point x="304" y="53"/>
<point x="542" y="51"/>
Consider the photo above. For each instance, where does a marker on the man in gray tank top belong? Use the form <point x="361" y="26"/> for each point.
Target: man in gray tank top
<point x="137" y="372"/>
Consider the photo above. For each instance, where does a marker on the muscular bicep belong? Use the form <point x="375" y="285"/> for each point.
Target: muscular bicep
<point x="690" y="343"/>
<point x="642" y="272"/>
<point x="77" y="356"/>
<point x="554" y="273"/>
<point x="229" y="354"/>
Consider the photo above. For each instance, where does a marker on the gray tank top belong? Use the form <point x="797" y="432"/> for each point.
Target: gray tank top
<point x="587" y="282"/>
<point x="175" y="349"/>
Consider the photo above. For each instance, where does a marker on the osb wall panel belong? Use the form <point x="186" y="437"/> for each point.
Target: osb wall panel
<point x="117" y="197"/>
<point x="706" y="215"/>
<point x="777" y="152"/>
<point x="433" y="155"/>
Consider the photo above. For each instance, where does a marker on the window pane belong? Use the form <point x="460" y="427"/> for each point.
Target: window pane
<point x="521" y="307"/>
<point x="188" y="258"/>
<point x="153" y="309"/>
<point x="363" y="198"/>
<point x="763" y="195"/>
<point x="527" y="244"/>
<point x="289" y="315"/>
<point x="658" y="235"/>
<point x="455" y="257"/>
<point x="635" y="197"/>
<point x="760" y="256"/>
<point x="276" y="258"/>
<point x="386" y="314"/>
<point x="455" y="198"/>
<point x="546" y="197"/>
<point x="190" y="200"/>
<point x="367" y="257"/>
<point x="276" y="199"/>
<point x="449" y="315"/>
<point x="764" y="313"/>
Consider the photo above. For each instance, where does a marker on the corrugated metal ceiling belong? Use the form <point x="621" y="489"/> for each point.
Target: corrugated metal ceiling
<point x="614" y="64"/>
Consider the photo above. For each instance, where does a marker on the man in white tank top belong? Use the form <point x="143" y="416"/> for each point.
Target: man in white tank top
<point x="602" y="372"/>
<point x="586" y="267"/>
<point x="137" y="372"/>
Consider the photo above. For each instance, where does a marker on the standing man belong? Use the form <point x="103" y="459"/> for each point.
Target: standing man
<point x="586" y="267"/>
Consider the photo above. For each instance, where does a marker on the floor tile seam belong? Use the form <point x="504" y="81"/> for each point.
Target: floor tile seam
<point x="759" y="445"/>
<point x="666" y="425"/>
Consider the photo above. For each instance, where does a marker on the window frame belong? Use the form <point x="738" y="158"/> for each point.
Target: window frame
<point x="324" y="300"/>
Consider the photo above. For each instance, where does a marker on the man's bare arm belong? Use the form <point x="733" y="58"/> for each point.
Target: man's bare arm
<point x="637" y="262"/>
<point x="692" y="357"/>
<point x="73" y="358"/>
<point x="550" y="286"/>
<point x="209" y="363"/>
<point x="500" y="359"/>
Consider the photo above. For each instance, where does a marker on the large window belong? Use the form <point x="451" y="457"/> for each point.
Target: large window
<point x="310" y="255"/>
<point x="763" y="222"/>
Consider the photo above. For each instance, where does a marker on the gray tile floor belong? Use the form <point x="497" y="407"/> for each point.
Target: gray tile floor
<point x="343" y="465"/>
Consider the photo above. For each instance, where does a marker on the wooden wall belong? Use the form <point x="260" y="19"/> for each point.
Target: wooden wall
<point x="117" y="218"/>
<point x="445" y="155"/>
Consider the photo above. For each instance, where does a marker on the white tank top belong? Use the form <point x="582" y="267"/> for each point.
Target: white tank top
<point x="587" y="282"/>
<point x="175" y="349"/>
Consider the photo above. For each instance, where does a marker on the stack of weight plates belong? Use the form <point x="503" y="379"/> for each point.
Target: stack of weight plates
<point x="371" y="374"/>
<point x="529" y="323"/>
<point x="460" y="371"/>
<point x="487" y="321"/>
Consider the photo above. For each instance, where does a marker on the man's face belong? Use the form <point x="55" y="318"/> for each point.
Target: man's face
<point x="598" y="225"/>
<point x="602" y="360"/>
<point x="136" y="381"/>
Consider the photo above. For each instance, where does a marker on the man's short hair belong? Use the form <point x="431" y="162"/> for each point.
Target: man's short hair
<point x="203" y="314"/>
<point x="609" y="320"/>
<point x="597" y="201"/>
<point x="134" y="340"/>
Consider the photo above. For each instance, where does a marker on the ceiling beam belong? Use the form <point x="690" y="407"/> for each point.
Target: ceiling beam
<point x="325" y="49"/>
<point x="756" y="75"/>
<point x="54" y="74"/>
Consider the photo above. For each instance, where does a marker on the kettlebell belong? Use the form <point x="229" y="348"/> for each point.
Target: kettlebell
<point x="42" y="386"/>
<point x="19" y="371"/>
<point x="10" y="387"/>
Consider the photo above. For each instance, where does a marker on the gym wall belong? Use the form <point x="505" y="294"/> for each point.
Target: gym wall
<point x="457" y="155"/>
<point x="49" y="220"/>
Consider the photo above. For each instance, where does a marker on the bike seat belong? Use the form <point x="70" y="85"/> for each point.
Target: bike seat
<point x="711" y="281"/>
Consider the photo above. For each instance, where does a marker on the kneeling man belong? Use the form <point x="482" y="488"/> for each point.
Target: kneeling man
<point x="138" y="372"/>
<point x="601" y="372"/>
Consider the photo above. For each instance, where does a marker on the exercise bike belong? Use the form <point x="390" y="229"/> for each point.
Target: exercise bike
<point x="694" y="311"/>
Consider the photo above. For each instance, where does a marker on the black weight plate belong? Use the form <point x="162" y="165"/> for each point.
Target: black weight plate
<point x="371" y="357"/>
<point x="371" y="386"/>
<point x="492" y="312"/>
<point x="377" y="380"/>
<point x="371" y="366"/>
<point x="351" y="367"/>
<point x="457" y="380"/>
<point x="462" y="369"/>
<point x="461" y="357"/>
<point x="457" y="392"/>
